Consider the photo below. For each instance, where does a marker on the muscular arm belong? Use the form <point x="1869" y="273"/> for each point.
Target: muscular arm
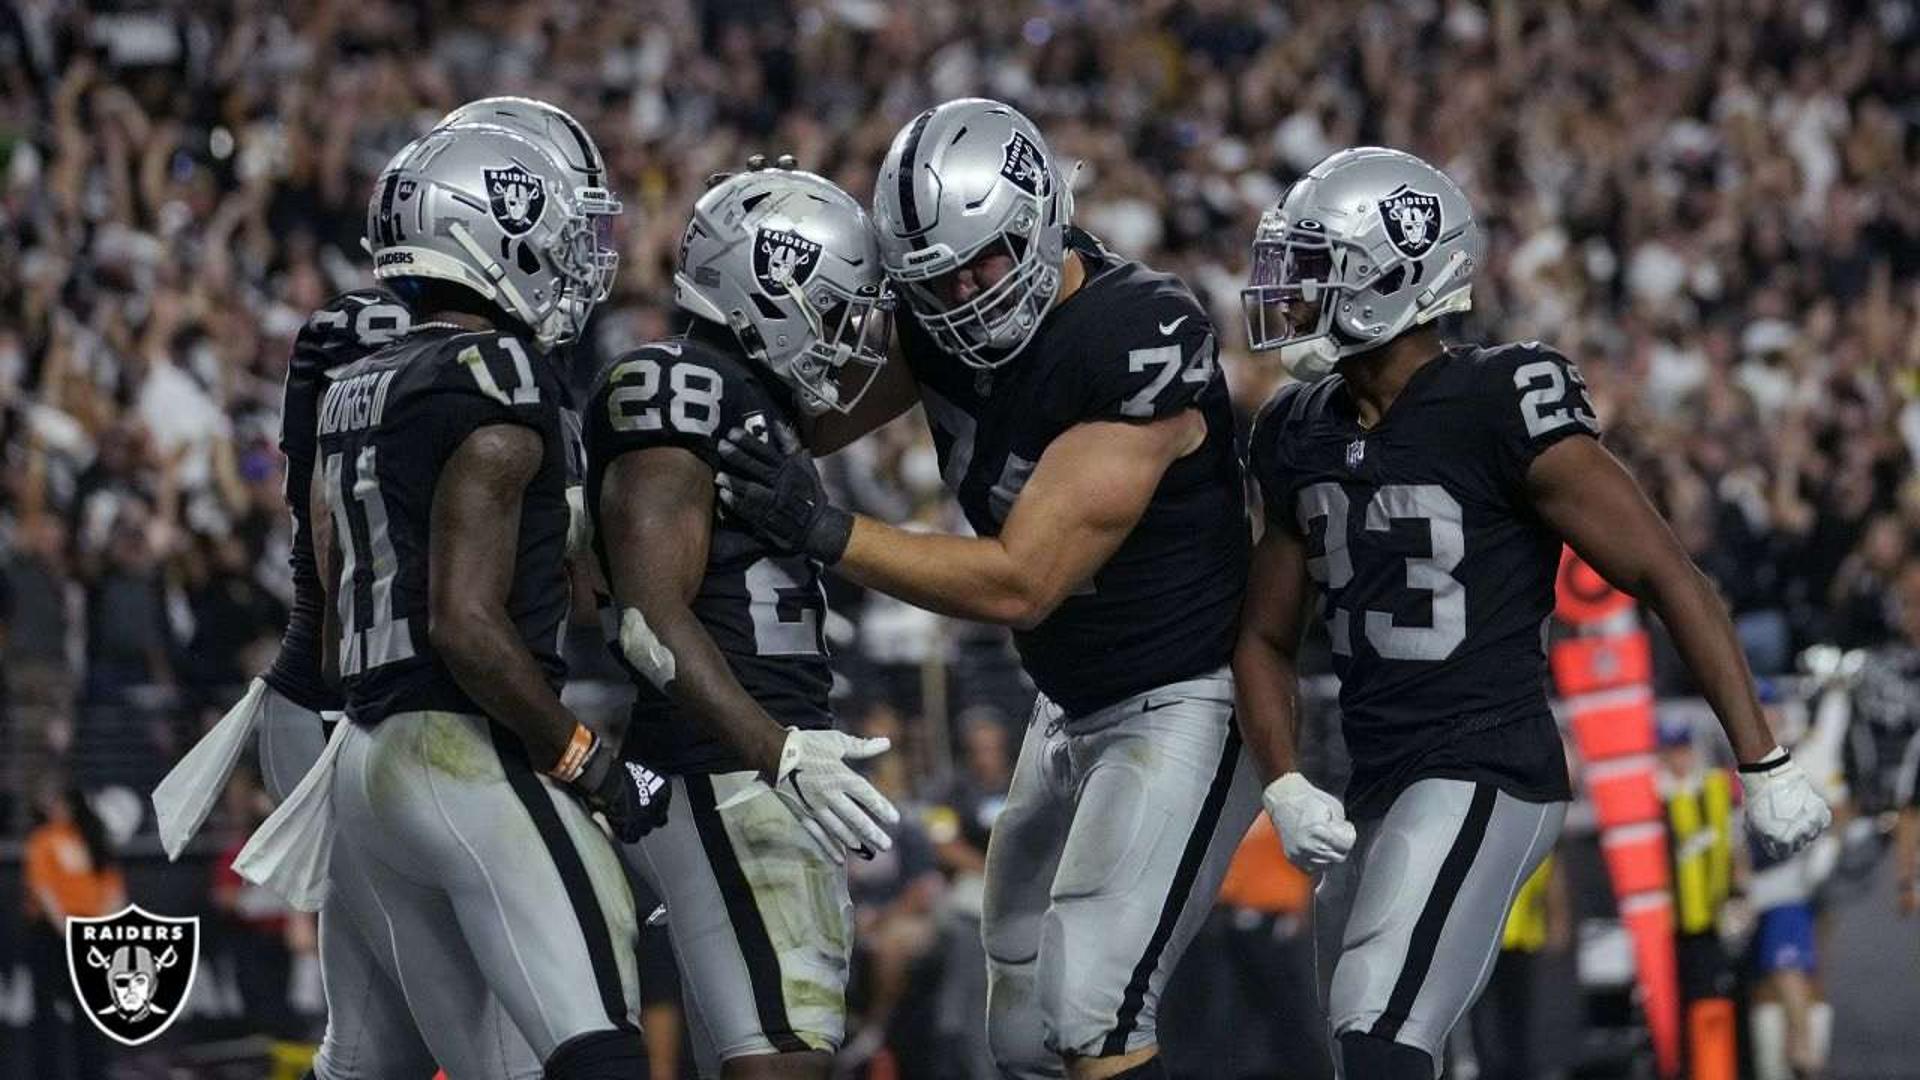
<point x="1089" y="489"/>
<point x="320" y="521"/>
<point x="893" y="392"/>
<point x="472" y="540"/>
<point x="1588" y="497"/>
<point x="656" y="516"/>
<point x="1266" y="681"/>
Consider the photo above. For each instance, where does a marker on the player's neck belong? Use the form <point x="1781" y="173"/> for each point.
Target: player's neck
<point x="1073" y="274"/>
<point x="466" y="320"/>
<point x="1376" y="378"/>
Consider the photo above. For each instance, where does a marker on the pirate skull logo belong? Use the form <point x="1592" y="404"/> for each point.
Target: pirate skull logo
<point x="132" y="970"/>
<point x="1412" y="220"/>
<point x="516" y="197"/>
<point x="783" y="260"/>
<point x="1024" y="166"/>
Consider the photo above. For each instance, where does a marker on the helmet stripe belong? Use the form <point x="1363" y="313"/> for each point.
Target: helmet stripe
<point x="909" y="211"/>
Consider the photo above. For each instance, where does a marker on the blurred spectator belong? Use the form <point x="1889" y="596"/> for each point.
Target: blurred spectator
<point x="1706" y="874"/>
<point x="71" y="872"/>
<point x="960" y="827"/>
<point x="255" y="927"/>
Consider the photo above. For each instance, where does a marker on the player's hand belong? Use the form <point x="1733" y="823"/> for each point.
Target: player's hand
<point x="1784" y="811"/>
<point x="780" y="497"/>
<point x="1312" y="824"/>
<point x="838" y="807"/>
<point x="632" y="797"/>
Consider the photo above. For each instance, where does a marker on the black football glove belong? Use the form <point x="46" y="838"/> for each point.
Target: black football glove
<point x="632" y="797"/>
<point x="780" y="497"/>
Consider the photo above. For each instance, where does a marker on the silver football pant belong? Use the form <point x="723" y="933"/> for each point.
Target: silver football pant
<point x="759" y="917"/>
<point x="1408" y="927"/>
<point x="291" y="738"/>
<point x="478" y="917"/>
<point x="1115" y="837"/>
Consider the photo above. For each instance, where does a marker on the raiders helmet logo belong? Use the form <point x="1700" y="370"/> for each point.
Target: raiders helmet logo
<point x="517" y="198"/>
<point x="132" y="970"/>
<point x="783" y="260"/>
<point x="1024" y="166"/>
<point x="1412" y="219"/>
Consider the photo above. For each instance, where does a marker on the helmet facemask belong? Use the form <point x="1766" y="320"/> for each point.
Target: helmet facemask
<point x="848" y="343"/>
<point x="993" y="326"/>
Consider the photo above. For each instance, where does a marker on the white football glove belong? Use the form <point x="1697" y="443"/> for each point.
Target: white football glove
<point x="1784" y="812"/>
<point x="1312" y="824"/>
<point x="838" y="807"/>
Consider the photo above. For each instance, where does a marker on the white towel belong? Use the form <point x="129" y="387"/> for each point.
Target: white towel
<point x="290" y="850"/>
<point x="184" y="798"/>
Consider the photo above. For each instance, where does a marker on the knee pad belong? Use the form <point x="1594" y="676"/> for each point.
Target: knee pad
<point x="1370" y="1057"/>
<point x="620" y="1054"/>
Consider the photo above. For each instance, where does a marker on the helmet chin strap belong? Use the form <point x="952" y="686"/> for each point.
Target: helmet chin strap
<point x="1310" y="360"/>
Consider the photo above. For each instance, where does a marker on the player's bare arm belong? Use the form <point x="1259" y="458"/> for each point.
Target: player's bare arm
<point x="472" y="539"/>
<point x="329" y="569"/>
<point x="894" y="391"/>
<point x="1272" y="619"/>
<point x="1086" y="494"/>
<point x="1594" y="503"/>
<point x="1587" y="496"/>
<point x="656" y="510"/>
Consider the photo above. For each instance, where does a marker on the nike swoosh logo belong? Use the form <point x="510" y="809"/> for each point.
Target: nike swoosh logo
<point x="1156" y="706"/>
<point x="1170" y="327"/>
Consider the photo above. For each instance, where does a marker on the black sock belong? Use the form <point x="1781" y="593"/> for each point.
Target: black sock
<point x="1370" y="1057"/>
<point x="620" y="1054"/>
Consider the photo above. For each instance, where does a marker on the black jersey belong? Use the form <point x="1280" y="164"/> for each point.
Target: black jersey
<point x="348" y="328"/>
<point x="387" y="426"/>
<point x="1435" y="574"/>
<point x="1131" y="344"/>
<point x="763" y="608"/>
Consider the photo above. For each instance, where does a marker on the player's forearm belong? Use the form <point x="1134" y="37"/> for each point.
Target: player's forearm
<point x="1267" y="686"/>
<point x="1686" y="601"/>
<point x="965" y="577"/>
<point x="703" y="683"/>
<point x="491" y="664"/>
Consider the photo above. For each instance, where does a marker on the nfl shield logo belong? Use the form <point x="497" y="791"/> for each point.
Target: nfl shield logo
<point x="1412" y="220"/>
<point x="516" y="197"/>
<point x="1024" y="166"/>
<point x="132" y="970"/>
<point x="783" y="260"/>
<point x="1356" y="453"/>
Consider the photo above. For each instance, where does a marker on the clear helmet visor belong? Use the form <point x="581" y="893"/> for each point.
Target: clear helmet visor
<point x="850" y="338"/>
<point x="1288" y="289"/>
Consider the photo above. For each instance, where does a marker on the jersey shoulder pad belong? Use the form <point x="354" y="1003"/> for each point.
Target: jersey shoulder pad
<point x="1153" y="350"/>
<point x="1270" y="443"/>
<point x="487" y="373"/>
<point x="678" y="392"/>
<point x="1531" y="397"/>
<point x="348" y="327"/>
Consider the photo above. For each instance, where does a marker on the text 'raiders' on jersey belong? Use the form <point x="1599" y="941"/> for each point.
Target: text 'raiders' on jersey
<point x="387" y="426"/>
<point x="347" y="329"/>
<point x="1130" y="345"/>
<point x="763" y="609"/>
<point x="1436" y="577"/>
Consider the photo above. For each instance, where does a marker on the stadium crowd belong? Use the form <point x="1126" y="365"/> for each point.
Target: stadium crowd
<point x="1707" y="204"/>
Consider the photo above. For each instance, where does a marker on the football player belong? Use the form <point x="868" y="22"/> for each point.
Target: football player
<point x="465" y="856"/>
<point x="1418" y="495"/>
<point x="1084" y="426"/>
<point x="286" y="703"/>
<point x="722" y="632"/>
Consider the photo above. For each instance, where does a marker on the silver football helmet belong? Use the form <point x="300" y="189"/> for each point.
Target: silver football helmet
<point x="485" y="207"/>
<point x="787" y="261"/>
<point x="1369" y="243"/>
<point x="554" y="130"/>
<point x="970" y="178"/>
